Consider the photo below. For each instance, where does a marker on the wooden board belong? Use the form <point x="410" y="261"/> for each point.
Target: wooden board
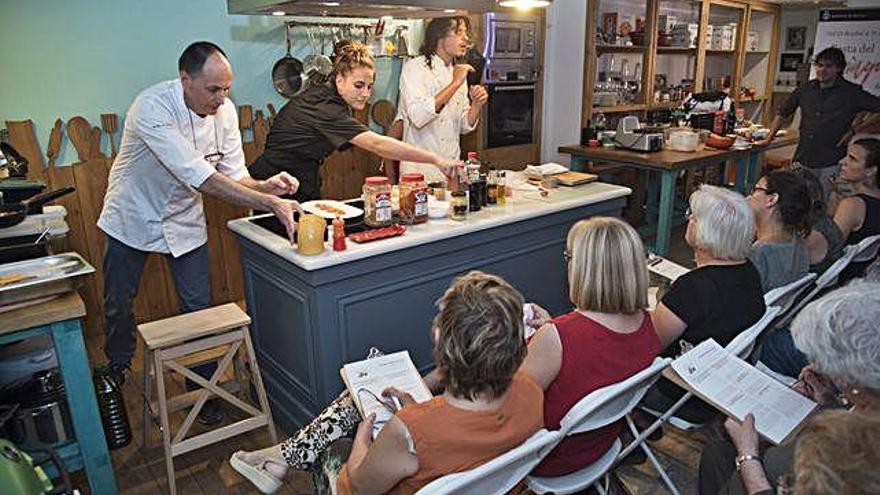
<point x="58" y="309"/>
<point x="24" y="140"/>
<point x="575" y="178"/>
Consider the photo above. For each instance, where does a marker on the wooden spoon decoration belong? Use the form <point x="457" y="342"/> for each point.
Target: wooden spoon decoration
<point x="80" y="133"/>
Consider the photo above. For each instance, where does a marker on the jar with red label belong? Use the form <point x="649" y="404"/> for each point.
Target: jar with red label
<point x="413" y="198"/>
<point x="377" y="201"/>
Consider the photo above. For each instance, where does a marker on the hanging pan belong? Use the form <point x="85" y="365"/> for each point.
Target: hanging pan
<point x="287" y="74"/>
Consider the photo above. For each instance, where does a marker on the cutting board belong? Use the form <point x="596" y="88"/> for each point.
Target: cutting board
<point x="575" y="178"/>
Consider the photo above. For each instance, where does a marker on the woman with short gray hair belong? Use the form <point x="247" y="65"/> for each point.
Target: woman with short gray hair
<point x="719" y="298"/>
<point x="839" y="335"/>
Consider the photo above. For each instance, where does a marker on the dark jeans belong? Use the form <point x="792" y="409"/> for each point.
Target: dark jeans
<point x="780" y="355"/>
<point x="123" y="266"/>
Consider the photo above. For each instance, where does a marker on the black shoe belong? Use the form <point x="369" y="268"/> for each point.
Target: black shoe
<point x="210" y="414"/>
<point x="118" y="372"/>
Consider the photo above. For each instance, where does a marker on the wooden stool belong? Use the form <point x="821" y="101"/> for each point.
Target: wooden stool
<point x="218" y="333"/>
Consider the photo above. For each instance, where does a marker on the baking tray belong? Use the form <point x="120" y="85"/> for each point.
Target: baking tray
<point x="42" y="271"/>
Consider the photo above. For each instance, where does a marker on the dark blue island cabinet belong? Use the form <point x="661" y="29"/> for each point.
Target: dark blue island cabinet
<point x="312" y="314"/>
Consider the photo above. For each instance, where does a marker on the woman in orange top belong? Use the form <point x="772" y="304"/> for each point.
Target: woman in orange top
<point x="487" y="407"/>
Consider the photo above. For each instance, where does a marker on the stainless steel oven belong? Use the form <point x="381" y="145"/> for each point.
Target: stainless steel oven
<point x="510" y="113"/>
<point x="510" y="39"/>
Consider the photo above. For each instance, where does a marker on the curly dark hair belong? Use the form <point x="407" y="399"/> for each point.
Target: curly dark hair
<point x="834" y="56"/>
<point x="794" y="204"/>
<point x="480" y="336"/>
<point x="818" y="205"/>
<point x="437" y="29"/>
<point x="872" y="155"/>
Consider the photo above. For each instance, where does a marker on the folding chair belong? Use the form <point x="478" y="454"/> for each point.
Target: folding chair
<point x="499" y="475"/>
<point x="785" y="296"/>
<point x="598" y="409"/>
<point x="866" y="250"/>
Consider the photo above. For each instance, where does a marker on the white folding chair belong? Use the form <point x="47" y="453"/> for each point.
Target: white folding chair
<point x="867" y="249"/>
<point x="598" y="409"/>
<point x="499" y="475"/>
<point x="785" y="296"/>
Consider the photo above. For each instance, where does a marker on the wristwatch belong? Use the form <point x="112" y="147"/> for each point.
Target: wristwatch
<point x="742" y="459"/>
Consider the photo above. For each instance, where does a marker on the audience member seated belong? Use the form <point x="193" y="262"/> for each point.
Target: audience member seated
<point x="606" y="339"/>
<point x="781" y="203"/>
<point x="488" y="407"/>
<point x="825" y="241"/>
<point x="858" y="215"/>
<point x="718" y="299"/>
<point x="839" y="335"/>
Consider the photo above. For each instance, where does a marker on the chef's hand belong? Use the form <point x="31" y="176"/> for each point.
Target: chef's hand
<point x="452" y="169"/>
<point x="478" y="95"/>
<point x="283" y="210"/>
<point x="460" y="72"/>
<point x="280" y="184"/>
<point x="743" y="434"/>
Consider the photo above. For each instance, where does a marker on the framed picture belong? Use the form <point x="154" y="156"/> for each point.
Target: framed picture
<point x="796" y="38"/>
<point x="790" y="62"/>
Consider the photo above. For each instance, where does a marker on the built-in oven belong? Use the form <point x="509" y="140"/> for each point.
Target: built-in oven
<point x="509" y="113"/>
<point x="510" y="38"/>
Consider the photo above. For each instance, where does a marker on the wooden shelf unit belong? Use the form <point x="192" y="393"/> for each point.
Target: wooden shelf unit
<point x="738" y="56"/>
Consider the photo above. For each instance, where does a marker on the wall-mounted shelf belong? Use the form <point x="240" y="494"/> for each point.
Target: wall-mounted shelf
<point x="665" y="105"/>
<point x="636" y="107"/>
<point x="600" y="49"/>
<point x="684" y="50"/>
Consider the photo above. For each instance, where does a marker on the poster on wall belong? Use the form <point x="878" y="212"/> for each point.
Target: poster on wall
<point x="857" y="33"/>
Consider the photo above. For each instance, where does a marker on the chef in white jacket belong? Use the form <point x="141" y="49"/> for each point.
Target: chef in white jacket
<point x="180" y="139"/>
<point x="434" y="96"/>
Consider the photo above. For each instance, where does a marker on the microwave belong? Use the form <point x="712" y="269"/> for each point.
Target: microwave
<point x="511" y="39"/>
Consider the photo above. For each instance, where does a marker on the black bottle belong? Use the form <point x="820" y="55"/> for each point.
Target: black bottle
<point x="111" y="404"/>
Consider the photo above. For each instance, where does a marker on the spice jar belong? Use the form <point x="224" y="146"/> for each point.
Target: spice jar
<point x="414" y="198"/>
<point x="458" y="206"/>
<point x="492" y="188"/>
<point x="310" y="234"/>
<point x="377" y="201"/>
<point x="438" y="190"/>
<point x="502" y="186"/>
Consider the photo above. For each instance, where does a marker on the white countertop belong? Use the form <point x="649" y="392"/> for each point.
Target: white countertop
<point x="524" y="206"/>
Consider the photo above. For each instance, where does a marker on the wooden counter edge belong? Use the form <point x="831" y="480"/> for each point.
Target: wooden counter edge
<point x="65" y="307"/>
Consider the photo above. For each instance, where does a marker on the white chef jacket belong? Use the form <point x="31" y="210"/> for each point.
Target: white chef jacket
<point x="152" y="203"/>
<point x="422" y="126"/>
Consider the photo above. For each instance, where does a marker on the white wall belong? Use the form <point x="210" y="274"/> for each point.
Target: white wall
<point x="563" y="77"/>
<point x="793" y="17"/>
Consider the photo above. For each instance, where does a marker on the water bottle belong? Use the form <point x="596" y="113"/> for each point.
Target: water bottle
<point x="111" y="404"/>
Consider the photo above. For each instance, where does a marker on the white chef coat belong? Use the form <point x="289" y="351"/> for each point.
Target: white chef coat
<point x="422" y="126"/>
<point x="152" y="203"/>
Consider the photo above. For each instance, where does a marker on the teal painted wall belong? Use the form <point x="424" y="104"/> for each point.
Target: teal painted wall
<point x="61" y="58"/>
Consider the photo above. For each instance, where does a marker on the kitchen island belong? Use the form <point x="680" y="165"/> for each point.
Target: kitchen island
<point x="312" y="314"/>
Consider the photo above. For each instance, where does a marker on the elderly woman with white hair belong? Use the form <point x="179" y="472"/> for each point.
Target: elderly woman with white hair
<point x="719" y="298"/>
<point x="839" y="335"/>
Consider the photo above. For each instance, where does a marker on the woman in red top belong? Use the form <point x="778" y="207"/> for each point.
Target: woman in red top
<point x="606" y="339"/>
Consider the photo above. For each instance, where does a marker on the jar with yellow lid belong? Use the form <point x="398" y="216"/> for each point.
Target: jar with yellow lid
<point x="310" y="234"/>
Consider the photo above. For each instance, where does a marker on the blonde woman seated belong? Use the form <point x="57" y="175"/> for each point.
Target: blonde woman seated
<point x="606" y="339"/>
<point x="718" y="299"/>
<point x="487" y="408"/>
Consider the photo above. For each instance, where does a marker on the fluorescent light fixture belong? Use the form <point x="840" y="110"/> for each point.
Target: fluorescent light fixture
<point x="449" y="11"/>
<point x="279" y="13"/>
<point x="524" y="4"/>
<point x="330" y="4"/>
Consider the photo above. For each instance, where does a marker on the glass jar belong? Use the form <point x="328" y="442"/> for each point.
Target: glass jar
<point x="310" y="234"/>
<point x="492" y="188"/>
<point x="377" y="201"/>
<point x="502" y="187"/>
<point x="413" y="198"/>
<point x="458" y="206"/>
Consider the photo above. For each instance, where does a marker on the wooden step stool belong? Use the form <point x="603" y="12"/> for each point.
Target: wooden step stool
<point x="173" y="344"/>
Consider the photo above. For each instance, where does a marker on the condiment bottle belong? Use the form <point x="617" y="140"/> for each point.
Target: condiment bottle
<point x="339" y="234"/>
<point x="377" y="201"/>
<point x="414" y="198"/>
<point x="310" y="234"/>
<point x="458" y="207"/>
<point x="492" y="188"/>
<point x="502" y="186"/>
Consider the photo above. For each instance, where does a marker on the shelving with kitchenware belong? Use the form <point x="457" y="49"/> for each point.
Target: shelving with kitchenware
<point x="689" y="46"/>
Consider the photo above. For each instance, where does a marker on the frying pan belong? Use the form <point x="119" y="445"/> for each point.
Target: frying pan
<point x="15" y="213"/>
<point x="287" y="74"/>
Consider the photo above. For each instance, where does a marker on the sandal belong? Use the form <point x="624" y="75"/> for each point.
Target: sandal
<point x="259" y="476"/>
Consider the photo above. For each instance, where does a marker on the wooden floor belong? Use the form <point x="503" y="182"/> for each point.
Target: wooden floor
<point x="206" y="471"/>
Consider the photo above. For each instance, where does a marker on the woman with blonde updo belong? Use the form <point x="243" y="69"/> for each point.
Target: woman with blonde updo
<point x="319" y="121"/>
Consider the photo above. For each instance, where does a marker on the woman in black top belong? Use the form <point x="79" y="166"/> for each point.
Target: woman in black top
<point x="719" y="298"/>
<point x="858" y="216"/>
<point x="319" y="121"/>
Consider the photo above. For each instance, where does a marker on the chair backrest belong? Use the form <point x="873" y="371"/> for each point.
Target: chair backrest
<point x="611" y="403"/>
<point x="742" y="344"/>
<point x="499" y="475"/>
<point x="784" y="296"/>
<point x="867" y="249"/>
<point x="829" y="276"/>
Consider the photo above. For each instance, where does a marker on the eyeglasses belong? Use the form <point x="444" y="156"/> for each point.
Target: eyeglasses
<point x="759" y="188"/>
<point x="566" y="255"/>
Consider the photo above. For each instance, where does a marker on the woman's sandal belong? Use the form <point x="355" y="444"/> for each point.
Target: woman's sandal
<point x="258" y="475"/>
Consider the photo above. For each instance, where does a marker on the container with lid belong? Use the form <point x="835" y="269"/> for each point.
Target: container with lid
<point x="310" y="234"/>
<point x="377" y="201"/>
<point x="413" y="198"/>
<point x="458" y="207"/>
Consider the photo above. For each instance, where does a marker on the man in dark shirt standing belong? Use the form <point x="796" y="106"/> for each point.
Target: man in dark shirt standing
<point x="828" y="105"/>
